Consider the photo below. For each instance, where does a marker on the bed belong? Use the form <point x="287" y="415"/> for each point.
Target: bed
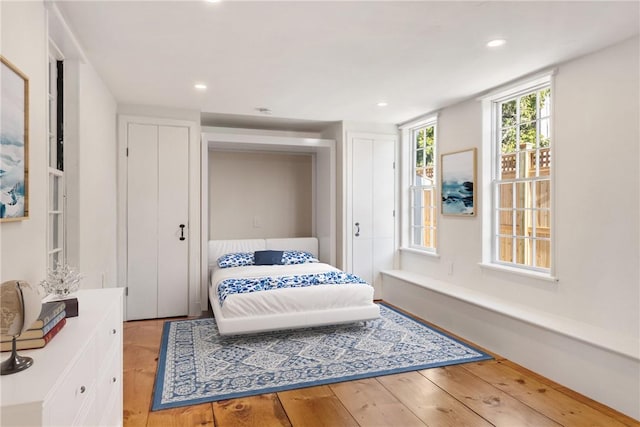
<point x="285" y="307"/>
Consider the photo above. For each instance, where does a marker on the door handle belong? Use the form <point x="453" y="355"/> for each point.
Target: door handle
<point x="182" y="232"/>
<point x="357" y="229"/>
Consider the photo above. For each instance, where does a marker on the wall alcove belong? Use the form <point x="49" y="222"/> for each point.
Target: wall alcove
<point x="322" y="154"/>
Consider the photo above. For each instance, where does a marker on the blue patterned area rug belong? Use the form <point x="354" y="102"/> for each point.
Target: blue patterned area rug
<point x="198" y="365"/>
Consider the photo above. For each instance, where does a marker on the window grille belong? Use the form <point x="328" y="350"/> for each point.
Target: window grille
<point x="423" y="188"/>
<point x="56" y="205"/>
<point x="522" y="179"/>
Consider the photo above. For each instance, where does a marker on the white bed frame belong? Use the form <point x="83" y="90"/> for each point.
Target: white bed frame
<point x="246" y="325"/>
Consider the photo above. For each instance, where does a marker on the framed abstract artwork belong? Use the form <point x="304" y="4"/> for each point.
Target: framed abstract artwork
<point x="458" y="183"/>
<point x="14" y="143"/>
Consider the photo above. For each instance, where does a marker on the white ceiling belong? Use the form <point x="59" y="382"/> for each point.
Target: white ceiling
<point x="329" y="61"/>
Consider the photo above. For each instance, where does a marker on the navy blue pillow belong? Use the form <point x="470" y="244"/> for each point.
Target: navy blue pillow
<point x="268" y="257"/>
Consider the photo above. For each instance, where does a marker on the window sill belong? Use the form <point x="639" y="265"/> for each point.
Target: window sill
<point x="520" y="272"/>
<point x="420" y="252"/>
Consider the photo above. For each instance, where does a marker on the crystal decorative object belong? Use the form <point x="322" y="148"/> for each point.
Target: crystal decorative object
<point x="61" y="281"/>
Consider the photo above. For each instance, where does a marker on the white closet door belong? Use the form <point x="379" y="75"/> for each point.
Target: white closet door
<point x="362" y="204"/>
<point x="157" y="204"/>
<point x="173" y="209"/>
<point x="372" y="202"/>
<point x="142" y="221"/>
<point x="383" y="177"/>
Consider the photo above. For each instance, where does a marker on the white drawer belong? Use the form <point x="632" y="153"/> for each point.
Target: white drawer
<point x="110" y="330"/>
<point x="112" y="415"/>
<point x="87" y="415"/>
<point x="76" y="391"/>
<point x="110" y="376"/>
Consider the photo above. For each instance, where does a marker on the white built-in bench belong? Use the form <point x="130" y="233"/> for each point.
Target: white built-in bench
<point x="599" y="337"/>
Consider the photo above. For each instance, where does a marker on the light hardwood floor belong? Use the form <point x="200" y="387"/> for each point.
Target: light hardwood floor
<point x="490" y="393"/>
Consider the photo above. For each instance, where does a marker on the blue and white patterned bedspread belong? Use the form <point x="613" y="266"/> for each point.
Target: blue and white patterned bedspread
<point x="243" y="286"/>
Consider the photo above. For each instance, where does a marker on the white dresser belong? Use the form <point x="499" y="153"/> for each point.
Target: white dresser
<point x="76" y="379"/>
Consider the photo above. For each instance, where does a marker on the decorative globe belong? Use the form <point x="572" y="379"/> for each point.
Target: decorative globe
<point x="19" y="308"/>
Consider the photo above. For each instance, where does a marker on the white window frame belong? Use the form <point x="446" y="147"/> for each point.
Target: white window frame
<point x="491" y="172"/>
<point x="56" y="218"/>
<point x="409" y="187"/>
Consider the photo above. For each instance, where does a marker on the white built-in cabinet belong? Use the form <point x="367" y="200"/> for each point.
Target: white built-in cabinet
<point x="76" y="379"/>
<point x="370" y="203"/>
<point x="157" y="218"/>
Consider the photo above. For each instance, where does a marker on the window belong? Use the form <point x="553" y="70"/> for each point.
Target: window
<point x="423" y="212"/>
<point x="56" y="224"/>
<point x="522" y="178"/>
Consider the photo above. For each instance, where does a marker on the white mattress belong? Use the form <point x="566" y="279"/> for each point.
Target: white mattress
<point x="290" y="300"/>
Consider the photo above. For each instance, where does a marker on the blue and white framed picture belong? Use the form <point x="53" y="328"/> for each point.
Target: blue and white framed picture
<point x="458" y="183"/>
<point x="14" y="142"/>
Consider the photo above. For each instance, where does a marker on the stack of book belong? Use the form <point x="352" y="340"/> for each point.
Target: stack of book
<point x="52" y="318"/>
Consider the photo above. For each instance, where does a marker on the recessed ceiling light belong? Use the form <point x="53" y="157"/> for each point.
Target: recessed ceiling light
<point x="382" y="104"/>
<point x="496" y="43"/>
<point x="200" y="86"/>
<point x="213" y="1"/>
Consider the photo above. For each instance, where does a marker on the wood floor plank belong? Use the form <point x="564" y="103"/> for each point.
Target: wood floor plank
<point x="373" y="405"/>
<point x="315" y="407"/>
<point x="539" y="396"/>
<point x="493" y="404"/>
<point x="140" y="329"/>
<point x="137" y="390"/>
<point x="610" y="412"/>
<point x="138" y="356"/>
<point x="141" y="344"/>
<point x="196" y="415"/>
<point x="141" y="336"/>
<point x="430" y="403"/>
<point x="264" y="410"/>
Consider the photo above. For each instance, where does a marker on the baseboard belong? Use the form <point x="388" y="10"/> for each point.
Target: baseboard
<point x="194" y="309"/>
<point x="606" y="376"/>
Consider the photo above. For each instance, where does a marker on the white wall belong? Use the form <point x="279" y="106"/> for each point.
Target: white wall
<point x="598" y="188"/>
<point x="97" y="161"/>
<point x="90" y="160"/>
<point x="160" y="112"/>
<point x="23" y="244"/>
<point x="90" y="173"/>
<point x="273" y="189"/>
<point x="597" y="124"/>
<point x="596" y="203"/>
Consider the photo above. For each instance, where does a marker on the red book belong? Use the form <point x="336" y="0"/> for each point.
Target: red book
<point x="36" y="342"/>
